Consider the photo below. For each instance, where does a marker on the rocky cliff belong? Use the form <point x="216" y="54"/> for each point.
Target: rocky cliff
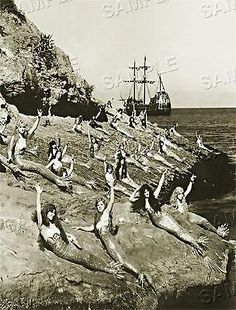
<point x="35" y="73"/>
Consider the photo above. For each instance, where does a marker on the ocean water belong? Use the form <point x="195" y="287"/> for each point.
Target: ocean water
<point x="217" y="127"/>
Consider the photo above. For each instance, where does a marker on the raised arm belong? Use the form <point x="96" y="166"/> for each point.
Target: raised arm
<point x="112" y="199"/>
<point x="89" y="137"/>
<point x="69" y="172"/>
<point x="64" y="150"/>
<point x="190" y="185"/>
<point x="89" y="228"/>
<point x="158" y="189"/>
<point x="105" y="166"/>
<point x="35" y="125"/>
<point x="11" y="146"/>
<point x="39" y="215"/>
<point x="152" y="145"/>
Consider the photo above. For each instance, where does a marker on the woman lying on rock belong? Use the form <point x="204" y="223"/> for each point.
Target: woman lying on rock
<point x="56" y="166"/>
<point x="18" y="148"/>
<point x="148" y="152"/>
<point x="178" y="201"/>
<point x="144" y="199"/>
<point x="5" y="119"/>
<point x="111" y="181"/>
<point x="53" y="237"/>
<point x="77" y="127"/>
<point x="92" y="123"/>
<point x="130" y="158"/>
<point x="94" y="147"/>
<point x="105" y="230"/>
<point x="121" y="170"/>
<point x="114" y="125"/>
<point x="173" y="131"/>
<point x="165" y="149"/>
<point x="141" y="156"/>
<point x="53" y="148"/>
<point x="203" y="147"/>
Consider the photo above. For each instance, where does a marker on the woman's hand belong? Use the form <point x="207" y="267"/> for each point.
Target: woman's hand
<point x="40" y="112"/>
<point x="223" y="230"/>
<point x="115" y="269"/>
<point x="77" y="227"/>
<point x="71" y="238"/>
<point x="39" y="190"/>
<point x="193" y="177"/>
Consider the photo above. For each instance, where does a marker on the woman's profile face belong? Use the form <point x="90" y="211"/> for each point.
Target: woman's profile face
<point x="146" y="193"/>
<point x="51" y="214"/>
<point x="101" y="206"/>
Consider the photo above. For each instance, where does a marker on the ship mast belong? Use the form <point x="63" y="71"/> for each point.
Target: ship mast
<point x="144" y="81"/>
<point x="134" y="81"/>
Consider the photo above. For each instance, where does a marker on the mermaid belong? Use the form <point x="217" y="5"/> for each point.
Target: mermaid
<point x="56" y="166"/>
<point x="173" y="130"/>
<point x="144" y="199"/>
<point x="178" y="201"/>
<point x="77" y="127"/>
<point x="110" y="179"/>
<point x="18" y="148"/>
<point x="53" y="237"/>
<point x="53" y="148"/>
<point x="121" y="169"/>
<point x="203" y="146"/>
<point x="148" y="151"/>
<point x="165" y="149"/>
<point x="5" y="119"/>
<point x="105" y="230"/>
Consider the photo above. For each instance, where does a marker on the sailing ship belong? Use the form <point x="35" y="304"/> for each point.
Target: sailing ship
<point x="159" y="104"/>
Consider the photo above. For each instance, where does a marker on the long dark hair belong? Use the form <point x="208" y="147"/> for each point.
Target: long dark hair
<point x="139" y="204"/>
<point x="47" y="207"/>
<point x="50" y="148"/>
<point x="123" y="167"/>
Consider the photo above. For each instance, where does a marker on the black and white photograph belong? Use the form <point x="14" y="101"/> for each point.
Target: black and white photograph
<point x="117" y="154"/>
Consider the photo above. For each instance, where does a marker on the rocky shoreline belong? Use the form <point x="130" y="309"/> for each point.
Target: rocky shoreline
<point x="32" y="279"/>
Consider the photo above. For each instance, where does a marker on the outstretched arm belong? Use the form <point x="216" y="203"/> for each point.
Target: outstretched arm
<point x="112" y="199"/>
<point x="35" y="125"/>
<point x="89" y="228"/>
<point x="152" y="145"/>
<point x="89" y="137"/>
<point x="70" y="170"/>
<point x="158" y="189"/>
<point x="39" y="216"/>
<point x="105" y="166"/>
<point x="10" y="147"/>
<point x="190" y="185"/>
<point x="64" y="150"/>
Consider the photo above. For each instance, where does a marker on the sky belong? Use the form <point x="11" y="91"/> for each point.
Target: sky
<point x="192" y="43"/>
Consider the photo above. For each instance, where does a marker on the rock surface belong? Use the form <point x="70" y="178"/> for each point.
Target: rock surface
<point x="35" y="279"/>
